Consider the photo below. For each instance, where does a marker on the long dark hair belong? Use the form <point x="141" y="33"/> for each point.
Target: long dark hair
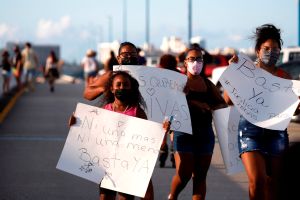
<point x="136" y="97"/>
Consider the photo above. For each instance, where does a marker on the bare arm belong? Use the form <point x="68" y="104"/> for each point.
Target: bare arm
<point x="96" y="87"/>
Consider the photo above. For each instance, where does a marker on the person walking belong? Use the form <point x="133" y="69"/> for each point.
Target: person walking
<point x="17" y="66"/>
<point x="167" y="61"/>
<point x="261" y="149"/>
<point x="30" y="61"/>
<point x="6" y="72"/>
<point x="90" y="65"/>
<point x="51" y="69"/>
<point x="193" y="153"/>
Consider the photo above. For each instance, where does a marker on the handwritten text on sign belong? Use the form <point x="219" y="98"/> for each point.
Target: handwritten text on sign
<point x="263" y="99"/>
<point x="163" y="92"/>
<point x="120" y="148"/>
<point x="226" y="122"/>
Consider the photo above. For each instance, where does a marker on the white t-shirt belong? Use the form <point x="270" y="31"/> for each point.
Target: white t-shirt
<point x="89" y="64"/>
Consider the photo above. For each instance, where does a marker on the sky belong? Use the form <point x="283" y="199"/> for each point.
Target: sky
<point x="77" y="25"/>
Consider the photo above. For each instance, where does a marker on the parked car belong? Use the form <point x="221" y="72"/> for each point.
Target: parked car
<point x="293" y="68"/>
<point x="289" y="54"/>
<point x="215" y="62"/>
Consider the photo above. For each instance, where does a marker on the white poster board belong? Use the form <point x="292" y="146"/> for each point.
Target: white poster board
<point x="263" y="99"/>
<point x="118" y="149"/>
<point x="162" y="90"/>
<point x="226" y="121"/>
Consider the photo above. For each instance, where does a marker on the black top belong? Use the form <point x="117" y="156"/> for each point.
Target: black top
<point x="201" y="118"/>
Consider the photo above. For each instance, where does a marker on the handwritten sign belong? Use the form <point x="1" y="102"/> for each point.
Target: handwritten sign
<point x="162" y="90"/>
<point x="226" y="122"/>
<point x="263" y="99"/>
<point x="118" y="149"/>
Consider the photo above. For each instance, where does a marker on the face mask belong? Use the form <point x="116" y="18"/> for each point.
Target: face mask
<point x="123" y="94"/>
<point x="195" y="67"/>
<point x="269" y="58"/>
<point x="129" y="61"/>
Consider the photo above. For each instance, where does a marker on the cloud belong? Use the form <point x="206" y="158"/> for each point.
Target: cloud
<point x="48" y="28"/>
<point x="7" y="31"/>
<point x="84" y="34"/>
<point x="235" y="38"/>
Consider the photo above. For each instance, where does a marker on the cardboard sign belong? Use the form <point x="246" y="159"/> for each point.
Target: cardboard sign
<point x="263" y="99"/>
<point x="162" y="90"/>
<point x="118" y="149"/>
<point x="226" y="122"/>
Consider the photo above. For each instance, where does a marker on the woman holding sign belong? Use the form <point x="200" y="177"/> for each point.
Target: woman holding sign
<point x="260" y="148"/>
<point x="193" y="153"/>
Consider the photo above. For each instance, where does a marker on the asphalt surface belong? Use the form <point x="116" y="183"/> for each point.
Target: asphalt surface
<point x="32" y="137"/>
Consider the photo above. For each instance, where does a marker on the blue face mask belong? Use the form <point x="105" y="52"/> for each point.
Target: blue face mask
<point x="269" y="58"/>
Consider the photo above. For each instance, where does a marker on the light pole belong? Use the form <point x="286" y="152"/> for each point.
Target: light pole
<point x="124" y="20"/>
<point x="147" y="37"/>
<point x="298" y="22"/>
<point x="189" y="20"/>
<point x="110" y="29"/>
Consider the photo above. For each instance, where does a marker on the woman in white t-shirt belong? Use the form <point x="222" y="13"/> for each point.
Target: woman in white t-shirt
<point x="89" y="65"/>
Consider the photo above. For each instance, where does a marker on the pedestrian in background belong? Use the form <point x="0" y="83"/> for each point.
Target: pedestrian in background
<point x="51" y="69"/>
<point x="90" y="65"/>
<point x="193" y="153"/>
<point x="108" y="66"/>
<point x="167" y="61"/>
<point x="17" y="66"/>
<point x="261" y="149"/>
<point x="30" y="63"/>
<point x="6" y="72"/>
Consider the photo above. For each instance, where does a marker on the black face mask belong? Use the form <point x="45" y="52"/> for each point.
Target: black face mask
<point x="123" y="94"/>
<point x="129" y="61"/>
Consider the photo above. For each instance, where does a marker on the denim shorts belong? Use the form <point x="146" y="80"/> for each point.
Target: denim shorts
<point x="201" y="143"/>
<point x="254" y="138"/>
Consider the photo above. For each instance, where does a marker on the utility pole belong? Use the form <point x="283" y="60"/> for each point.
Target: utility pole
<point x="189" y="20"/>
<point x="147" y="37"/>
<point x="124" y="20"/>
<point x="298" y="22"/>
<point x="110" y="29"/>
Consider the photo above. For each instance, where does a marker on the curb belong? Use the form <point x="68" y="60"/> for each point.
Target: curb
<point x="10" y="105"/>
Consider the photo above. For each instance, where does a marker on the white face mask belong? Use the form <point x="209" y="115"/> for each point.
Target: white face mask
<point x="195" y="67"/>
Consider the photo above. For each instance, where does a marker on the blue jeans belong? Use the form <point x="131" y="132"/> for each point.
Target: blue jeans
<point x="266" y="141"/>
<point x="200" y="143"/>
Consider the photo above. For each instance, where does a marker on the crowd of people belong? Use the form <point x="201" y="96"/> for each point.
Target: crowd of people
<point x="23" y="65"/>
<point x="261" y="150"/>
<point x="262" y="156"/>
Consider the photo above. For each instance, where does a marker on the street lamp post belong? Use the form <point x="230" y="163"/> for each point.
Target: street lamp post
<point x="189" y="20"/>
<point x="124" y="20"/>
<point x="147" y="22"/>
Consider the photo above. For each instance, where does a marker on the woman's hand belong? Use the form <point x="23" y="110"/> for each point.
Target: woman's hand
<point x="72" y="120"/>
<point x="166" y="125"/>
<point x="233" y="59"/>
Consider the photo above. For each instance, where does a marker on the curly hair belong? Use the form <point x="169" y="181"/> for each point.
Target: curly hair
<point x="136" y="97"/>
<point x="266" y="32"/>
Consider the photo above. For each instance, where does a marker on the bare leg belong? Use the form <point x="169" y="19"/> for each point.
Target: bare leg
<point x="201" y="166"/>
<point x="184" y="167"/>
<point x="149" y="193"/>
<point x="106" y="194"/>
<point x="255" y="166"/>
<point x="273" y="181"/>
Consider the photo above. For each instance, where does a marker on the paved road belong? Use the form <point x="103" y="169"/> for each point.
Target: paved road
<point x="31" y="140"/>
